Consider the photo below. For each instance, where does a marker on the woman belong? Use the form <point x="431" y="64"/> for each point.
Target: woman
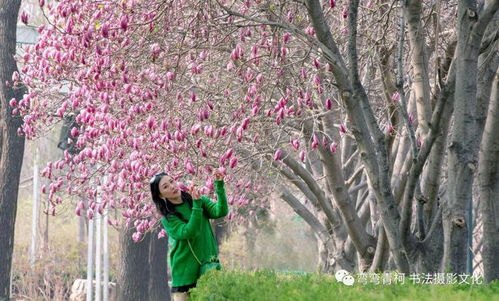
<point x="185" y="217"/>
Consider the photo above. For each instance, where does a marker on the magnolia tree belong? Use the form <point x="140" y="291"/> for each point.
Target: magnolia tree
<point x="348" y="105"/>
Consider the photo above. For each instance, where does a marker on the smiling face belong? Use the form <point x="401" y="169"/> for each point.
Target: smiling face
<point x="168" y="188"/>
<point x="348" y="280"/>
<point x="340" y="274"/>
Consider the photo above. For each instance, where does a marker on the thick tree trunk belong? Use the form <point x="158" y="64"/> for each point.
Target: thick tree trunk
<point x="431" y="252"/>
<point x="489" y="188"/>
<point x="158" y="283"/>
<point x="488" y="111"/>
<point x="431" y="247"/>
<point x="134" y="270"/>
<point x="461" y="161"/>
<point x="11" y="145"/>
<point x="430" y="180"/>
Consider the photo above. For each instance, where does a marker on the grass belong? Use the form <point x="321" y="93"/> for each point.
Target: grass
<point x="270" y="285"/>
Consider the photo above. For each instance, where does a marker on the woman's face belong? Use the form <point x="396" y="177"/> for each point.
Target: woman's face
<point x="168" y="188"/>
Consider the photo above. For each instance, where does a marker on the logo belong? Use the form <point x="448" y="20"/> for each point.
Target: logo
<point x="344" y="277"/>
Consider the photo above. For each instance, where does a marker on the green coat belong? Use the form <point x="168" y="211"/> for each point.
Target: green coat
<point x="183" y="265"/>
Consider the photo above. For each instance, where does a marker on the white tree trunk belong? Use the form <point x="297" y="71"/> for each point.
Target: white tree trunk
<point x="489" y="188"/>
<point x="461" y="162"/>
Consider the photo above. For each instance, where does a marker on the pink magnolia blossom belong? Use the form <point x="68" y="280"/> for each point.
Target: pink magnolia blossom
<point x="24" y="17"/>
<point x="315" y="141"/>
<point x="329" y="104"/>
<point x="155" y="50"/>
<point x="396" y="97"/>
<point x="302" y="156"/>
<point x="344" y="13"/>
<point x="343" y="129"/>
<point x="333" y="147"/>
<point x="124" y="22"/>
<point x="105" y="30"/>
<point x="278" y="155"/>
<point x="190" y="168"/>
<point x="286" y="37"/>
<point x="90" y="213"/>
<point x="233" y="162"/>
<point x="310" y="30"/>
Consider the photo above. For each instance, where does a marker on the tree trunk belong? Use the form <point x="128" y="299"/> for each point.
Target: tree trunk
<point x="323" y="257"/>
<point x="488" y="111"/>
<point x="431" y="252"/>
<point x="419" y="63"/>
<point x="250" y="237"/>
<point x="430" y="181"/>
<point x="364" y="243"/>
<point x="134" y="271"/>
<point x="461" y="160"/>
<point x="401" y="166"/>
<point x="11" y="145"/>
<point x="221" y="230"/>
<point x="158" y="283"/>
<point x="489" y="188"/>
<point x="488" y="62"/>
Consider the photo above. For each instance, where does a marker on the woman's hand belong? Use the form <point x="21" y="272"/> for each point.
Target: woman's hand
<point x="194" y="192"/>
<point x="219" y="174"/>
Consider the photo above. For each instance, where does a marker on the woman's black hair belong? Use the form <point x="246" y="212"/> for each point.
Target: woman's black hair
<point x="164" y="206"/>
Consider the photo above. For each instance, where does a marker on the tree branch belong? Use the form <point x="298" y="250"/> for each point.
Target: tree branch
<point x="304" y="213"/>
<point x="486" y="15"/>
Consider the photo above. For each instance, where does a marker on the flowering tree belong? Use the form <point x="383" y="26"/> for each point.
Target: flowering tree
<point x="301" y="90"/>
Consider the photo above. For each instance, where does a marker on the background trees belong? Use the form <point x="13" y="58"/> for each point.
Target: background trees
<point x="349" y="104"/>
